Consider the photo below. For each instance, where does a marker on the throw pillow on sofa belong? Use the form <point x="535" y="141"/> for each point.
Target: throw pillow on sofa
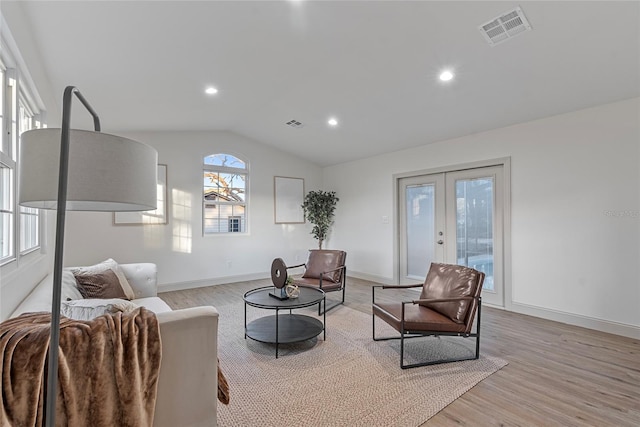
<point x="103" y="280"/>
<point x="104" y="284"/>
<point x="88" y="309"/>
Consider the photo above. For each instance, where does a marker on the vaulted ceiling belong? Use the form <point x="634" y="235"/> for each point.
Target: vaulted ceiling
<point x="373" y="65"/>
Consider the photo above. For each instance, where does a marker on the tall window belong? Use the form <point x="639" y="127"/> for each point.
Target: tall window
<point x="19" y="227"/>
<point x="224" y="194"/>
<point x="7" y="169"/>
<point x="29" y="217"/>
<point x="2" y="96"/>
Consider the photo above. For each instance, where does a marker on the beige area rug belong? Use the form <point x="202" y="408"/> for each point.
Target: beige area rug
<point x="347" y="380"/>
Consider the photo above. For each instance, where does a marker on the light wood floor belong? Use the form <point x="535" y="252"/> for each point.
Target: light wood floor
<point x="558" y="375"/>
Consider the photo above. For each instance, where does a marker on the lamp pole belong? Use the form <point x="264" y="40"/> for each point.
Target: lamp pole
<point x="63" y="175"/>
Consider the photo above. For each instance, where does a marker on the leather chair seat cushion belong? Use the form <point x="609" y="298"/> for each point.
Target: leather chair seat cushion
<point x="417" y="318"/>
<point x="327" y="285"/>
<point x="450" y="281"/>
<point x="322" y="261"/>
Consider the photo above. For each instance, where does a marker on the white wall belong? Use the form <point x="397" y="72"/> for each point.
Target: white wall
<point x="575" y="211"/>
<point x="19" y="27"/>
<point x="185" y="258"/>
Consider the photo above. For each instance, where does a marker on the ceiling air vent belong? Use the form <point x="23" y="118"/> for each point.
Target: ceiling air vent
<point x="504" y="27"/>
<point x="294" y="124"/>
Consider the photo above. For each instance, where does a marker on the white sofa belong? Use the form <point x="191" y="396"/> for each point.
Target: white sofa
<point x="188" y="383"/>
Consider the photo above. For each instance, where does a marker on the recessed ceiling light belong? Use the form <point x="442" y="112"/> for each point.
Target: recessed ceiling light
<point x="332" y="121"/>
<point x="446" y="75"/>
<point x="211" y="90"/>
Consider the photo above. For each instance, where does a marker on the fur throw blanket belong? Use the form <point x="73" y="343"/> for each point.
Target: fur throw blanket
<point x="107" y="375"/>
<point x="223" y="386"/>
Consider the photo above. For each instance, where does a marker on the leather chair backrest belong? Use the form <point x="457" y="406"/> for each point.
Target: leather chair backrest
<point x="321" y="260"/>
<point x="471" y="312"/>
<point x="452" y="281"/>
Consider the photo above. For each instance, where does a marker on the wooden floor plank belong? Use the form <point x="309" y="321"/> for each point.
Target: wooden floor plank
<point x="558" y="374"/>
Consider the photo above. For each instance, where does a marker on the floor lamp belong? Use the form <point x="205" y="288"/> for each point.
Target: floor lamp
<point x="68" y="169"/>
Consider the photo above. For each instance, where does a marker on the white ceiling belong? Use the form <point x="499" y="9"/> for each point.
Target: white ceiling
<point x="374" y="65"/>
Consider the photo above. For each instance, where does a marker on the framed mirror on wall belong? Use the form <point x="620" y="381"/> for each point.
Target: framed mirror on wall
<point x="288" y="198"/>
<point x="157" y="216"/>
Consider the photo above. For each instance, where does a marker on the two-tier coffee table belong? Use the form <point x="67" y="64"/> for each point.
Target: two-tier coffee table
<point x="288" y="327"/>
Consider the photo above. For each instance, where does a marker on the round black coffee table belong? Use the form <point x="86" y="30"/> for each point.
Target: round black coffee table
<point x="283" y="328"/>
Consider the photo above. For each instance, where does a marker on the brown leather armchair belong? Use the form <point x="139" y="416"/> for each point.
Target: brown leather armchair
<point x="447" y="306"/>
<point x="324" y="269"/>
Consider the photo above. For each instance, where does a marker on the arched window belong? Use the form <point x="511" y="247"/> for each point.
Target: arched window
<point x="226" y="180"/>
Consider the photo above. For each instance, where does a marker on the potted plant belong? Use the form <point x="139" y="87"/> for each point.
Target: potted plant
<point x="319" y="207"/>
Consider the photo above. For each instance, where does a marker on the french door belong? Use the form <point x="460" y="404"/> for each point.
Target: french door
<point x="457" y="218"/>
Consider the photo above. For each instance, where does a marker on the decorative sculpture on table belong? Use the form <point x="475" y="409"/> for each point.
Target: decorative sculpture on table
<point x="291" y="288"/>
<point x="279" y="279"/>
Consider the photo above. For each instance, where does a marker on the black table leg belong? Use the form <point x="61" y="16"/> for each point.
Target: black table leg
<point x="324" y="320"/>
<point x="277" y="332"/>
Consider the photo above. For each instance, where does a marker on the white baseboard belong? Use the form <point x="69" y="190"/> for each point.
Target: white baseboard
<point x="370" y="277"/>
<point x="608" y="326"/>
<point x="180" y="286"/>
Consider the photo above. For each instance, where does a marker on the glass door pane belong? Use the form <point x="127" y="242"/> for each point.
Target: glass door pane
<point x="421" y="202"/>
<point x="420" y="220"/>
<point x="474" y="226"/>
<point x="475" y="205"/>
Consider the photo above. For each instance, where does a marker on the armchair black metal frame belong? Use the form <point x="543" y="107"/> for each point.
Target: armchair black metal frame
<point x="343" y="285"/>
<point x="406" y="333"/>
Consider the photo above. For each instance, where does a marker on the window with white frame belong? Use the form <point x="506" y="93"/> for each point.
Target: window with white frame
<point x="7" y="249"/>
<point x="29" y="217"/>
<point x="2" y="78"/>
<point x="7" y="170"/>
<point x="19" y="227"/>
<point x="224" y="194"/>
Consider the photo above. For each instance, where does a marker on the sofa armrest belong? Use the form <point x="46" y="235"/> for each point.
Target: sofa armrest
<point x="188" y="382"/>
<point x="143" y="278"/>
